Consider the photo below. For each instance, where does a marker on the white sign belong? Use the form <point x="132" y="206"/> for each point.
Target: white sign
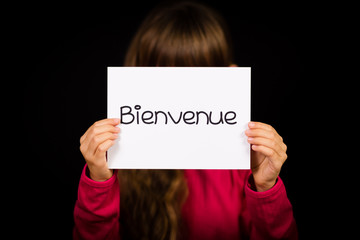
<point x="180" y="117"/>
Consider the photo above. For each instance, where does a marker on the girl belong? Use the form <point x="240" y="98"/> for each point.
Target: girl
<point x="182" y="204"/>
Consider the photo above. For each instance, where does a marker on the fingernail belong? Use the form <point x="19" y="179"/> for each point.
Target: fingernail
<point x="250" y="138"/>
<point x="251" y="124"/>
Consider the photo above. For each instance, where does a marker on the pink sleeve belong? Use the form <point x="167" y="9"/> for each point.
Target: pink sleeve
<point x="271" y="213"/>
<point x="97" y="209"/>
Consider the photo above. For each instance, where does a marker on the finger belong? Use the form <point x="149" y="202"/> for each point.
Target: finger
<point x="82" y="138"/>
<point x="270" y="153"/>
<point x="261" y="125"/>
<point x="97" y="140"/>
<point x="93" y="136"/>
<point x="103" y="147"/>
<point x="257" y="132"/>
<point x="279" y="148"/>
<point x="109" y="121"/>
<point x="96" y="130"/>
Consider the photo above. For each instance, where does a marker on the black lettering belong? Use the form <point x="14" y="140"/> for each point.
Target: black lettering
<point x="145" y="119"/>
<point x="156" y="116"/>
<point x="228" y="119"/>
<point x="220" y="120"/>
<point x="187" y="120"/>
<point x="127" y="116"/>
<point x="137" y="107"/>
<point x="204" y="113"/>
<point x="176" y="122"/>
<point x="122" y="114"/>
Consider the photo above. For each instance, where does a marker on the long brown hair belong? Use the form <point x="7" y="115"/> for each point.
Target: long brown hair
<point x="182" y="34"/>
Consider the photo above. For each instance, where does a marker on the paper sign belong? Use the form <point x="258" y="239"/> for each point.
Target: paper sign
<point x="180" y="117"/>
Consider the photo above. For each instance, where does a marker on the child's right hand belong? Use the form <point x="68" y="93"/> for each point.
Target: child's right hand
<point x="94" y="144"/>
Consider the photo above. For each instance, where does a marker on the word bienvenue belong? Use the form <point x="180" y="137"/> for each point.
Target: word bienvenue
<point x="129" y="115"/>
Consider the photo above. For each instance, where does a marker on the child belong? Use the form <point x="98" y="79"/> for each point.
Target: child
<point x="183" y="204"/>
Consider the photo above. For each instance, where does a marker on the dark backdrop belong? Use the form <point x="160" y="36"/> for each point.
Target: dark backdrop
<point x="64" y="52"/>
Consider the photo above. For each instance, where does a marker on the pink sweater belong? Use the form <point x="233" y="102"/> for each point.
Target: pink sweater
<point x="220" y="205"/>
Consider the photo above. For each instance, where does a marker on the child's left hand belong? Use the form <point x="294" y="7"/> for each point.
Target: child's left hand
<point x="268" y="154"/>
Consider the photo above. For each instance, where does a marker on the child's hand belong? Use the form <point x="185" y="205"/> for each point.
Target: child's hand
<point x="268" y="154"/>
<point x="94" y="144"/>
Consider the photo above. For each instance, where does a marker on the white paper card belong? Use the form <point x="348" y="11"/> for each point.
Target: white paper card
<point x="180" y="117"/>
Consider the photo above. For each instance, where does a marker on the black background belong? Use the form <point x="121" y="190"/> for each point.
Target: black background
<point x="64" y="50"/>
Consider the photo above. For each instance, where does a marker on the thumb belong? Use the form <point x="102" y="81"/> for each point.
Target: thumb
<point x="103" y="147"/>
